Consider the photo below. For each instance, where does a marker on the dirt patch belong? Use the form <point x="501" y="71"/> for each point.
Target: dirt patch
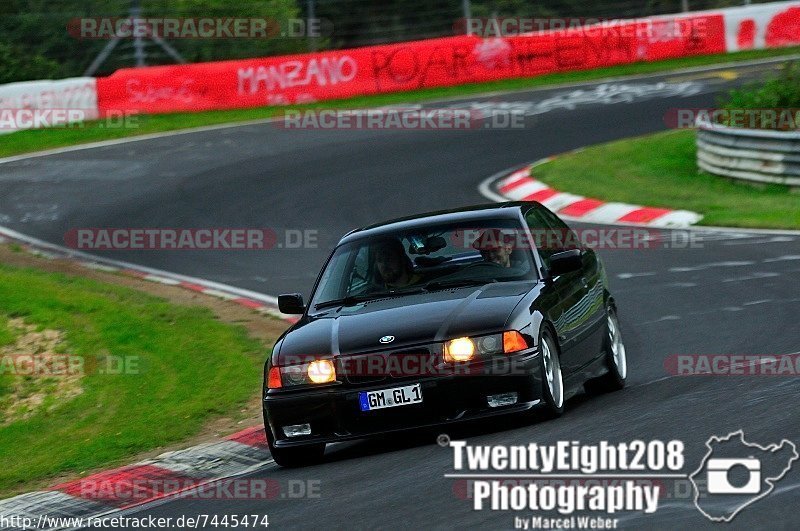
<point x="39" y="377"/>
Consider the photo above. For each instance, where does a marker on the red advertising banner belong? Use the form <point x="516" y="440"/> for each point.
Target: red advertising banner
<point x="449" y="61"/>
<point x="406" y="66"/>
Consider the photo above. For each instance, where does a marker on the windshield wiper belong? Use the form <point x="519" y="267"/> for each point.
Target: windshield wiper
<point x="457" y="283"/>
<point x="350" y="300"/>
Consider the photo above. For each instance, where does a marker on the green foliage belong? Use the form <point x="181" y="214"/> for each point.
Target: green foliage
<point x="18" y="66"/>
<point x="197" y="50"/>
<point x="35" y="43"/>
<point x="782" y="92"/>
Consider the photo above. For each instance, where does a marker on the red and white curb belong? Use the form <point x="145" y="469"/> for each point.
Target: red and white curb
<point x="519" y="185"/>
<point x="250" y="299"/>
<point x="170" y="474"/>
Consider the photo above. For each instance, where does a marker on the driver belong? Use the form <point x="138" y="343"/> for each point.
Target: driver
<point x="495" y="246"/>
<point x="393" y="264"/>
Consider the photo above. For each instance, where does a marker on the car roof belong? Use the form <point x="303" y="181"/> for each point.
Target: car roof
<point x="508" y="210"/>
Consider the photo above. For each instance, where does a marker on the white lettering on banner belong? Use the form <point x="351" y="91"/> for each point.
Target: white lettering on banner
<point x="322" y="72"/>
<point x="75" y="97"/>
<point x="138" y="92"/>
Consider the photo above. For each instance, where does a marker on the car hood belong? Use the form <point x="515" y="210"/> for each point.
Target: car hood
<point x="411" y="319"/>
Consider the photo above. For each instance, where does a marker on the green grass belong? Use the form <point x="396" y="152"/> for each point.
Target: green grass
<point x="41" y="139"/>
<point x="189" y="368"/>
<point x="660" y="170"/>
<point x="7" y="337"/>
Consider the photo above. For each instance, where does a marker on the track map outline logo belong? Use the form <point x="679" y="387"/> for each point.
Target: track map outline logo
<point x="716" y="469"/>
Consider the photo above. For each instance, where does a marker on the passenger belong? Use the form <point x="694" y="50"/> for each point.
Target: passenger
<point x="495" y="247"/>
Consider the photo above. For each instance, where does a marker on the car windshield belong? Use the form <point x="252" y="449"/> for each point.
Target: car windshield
<point x="425" y="259"/>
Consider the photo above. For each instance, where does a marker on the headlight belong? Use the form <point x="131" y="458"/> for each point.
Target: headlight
<point x="490" y="344"/>
<point x="313" y="373"/>
<point x="467" y="348"/>
<point x="321" y="371"/>
<point x="461" y="349"/>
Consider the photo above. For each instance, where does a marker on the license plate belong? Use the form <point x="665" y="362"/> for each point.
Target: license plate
<point x="398" y="396"/>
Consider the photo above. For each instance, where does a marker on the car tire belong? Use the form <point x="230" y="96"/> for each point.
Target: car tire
<point x="552" y="377"/>
<point x="616" y="359"/>
<point x="297" y="456"/>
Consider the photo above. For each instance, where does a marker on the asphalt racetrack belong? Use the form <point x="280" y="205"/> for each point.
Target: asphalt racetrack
<point x="734" y="293"/>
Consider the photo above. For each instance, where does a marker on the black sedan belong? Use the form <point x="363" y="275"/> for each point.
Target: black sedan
<point x="441" y="318"/>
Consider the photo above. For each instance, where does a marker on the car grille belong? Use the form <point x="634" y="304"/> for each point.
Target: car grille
<point x="377" y="367"/>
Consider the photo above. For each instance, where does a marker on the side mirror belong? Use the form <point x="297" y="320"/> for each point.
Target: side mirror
<point x="291" y="304"/>
<point x="565" y="262"/>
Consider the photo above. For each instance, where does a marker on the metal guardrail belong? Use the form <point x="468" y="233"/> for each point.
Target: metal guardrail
<point x="749" y="154"/>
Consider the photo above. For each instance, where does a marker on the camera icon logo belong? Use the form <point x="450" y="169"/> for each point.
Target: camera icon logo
<point x="719" y="472"/>
<point x="736" y="473"/>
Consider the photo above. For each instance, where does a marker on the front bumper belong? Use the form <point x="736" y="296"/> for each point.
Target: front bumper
<point x="335" y="415"/>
